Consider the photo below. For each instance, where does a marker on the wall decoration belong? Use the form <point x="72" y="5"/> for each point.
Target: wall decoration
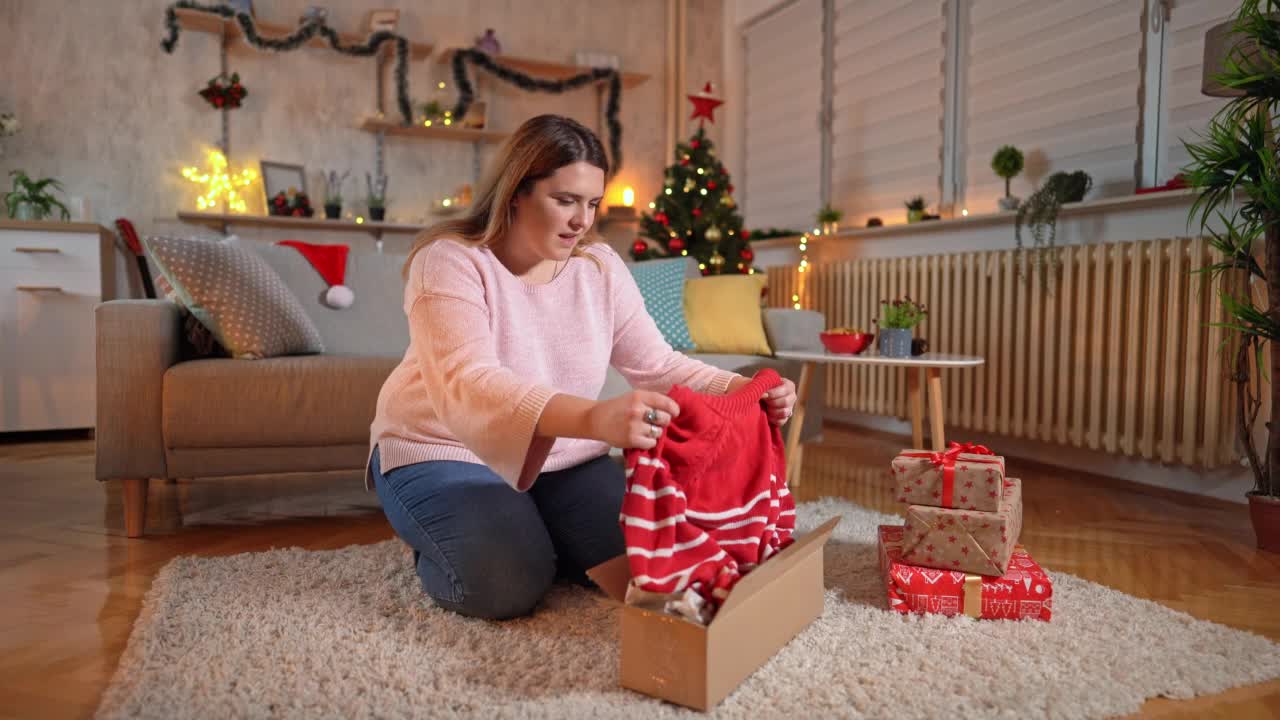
<point x="284" y="178"/>
<point x="220" y="185"/>
<point x="224" y="93"/>
<point x="299" y="38"/>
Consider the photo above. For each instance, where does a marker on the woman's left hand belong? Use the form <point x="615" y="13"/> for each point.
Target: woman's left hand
<point x="781" y="401"/>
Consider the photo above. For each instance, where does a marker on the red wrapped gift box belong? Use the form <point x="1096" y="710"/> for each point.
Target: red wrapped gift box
<point x="965" y="477"/>
<point x="1024" y="592"/>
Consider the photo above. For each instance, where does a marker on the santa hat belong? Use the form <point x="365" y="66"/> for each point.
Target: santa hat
<point x="331" y="262"/>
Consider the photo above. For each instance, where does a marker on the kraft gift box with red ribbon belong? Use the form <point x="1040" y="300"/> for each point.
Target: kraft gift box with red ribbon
<point x="964" y="540"/>
<point x="1025" y="591"/>
<point x="965" y="476"/>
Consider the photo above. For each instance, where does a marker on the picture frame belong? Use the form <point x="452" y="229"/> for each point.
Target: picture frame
<point x="382" y="19"/>
<point x="277" y="177"/>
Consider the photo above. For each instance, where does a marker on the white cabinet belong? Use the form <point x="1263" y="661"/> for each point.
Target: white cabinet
<point x="52" y="275"/>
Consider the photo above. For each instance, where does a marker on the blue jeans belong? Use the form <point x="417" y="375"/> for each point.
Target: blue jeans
<point x="485" y="550"/>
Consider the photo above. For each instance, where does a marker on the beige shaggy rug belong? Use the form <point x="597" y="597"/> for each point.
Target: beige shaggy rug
<point x="348" y="634"/>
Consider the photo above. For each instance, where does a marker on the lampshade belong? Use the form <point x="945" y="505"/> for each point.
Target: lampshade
<point x="1219" y="41"/>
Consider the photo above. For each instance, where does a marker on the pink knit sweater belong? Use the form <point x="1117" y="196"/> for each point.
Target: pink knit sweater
<point x="487" y="351"/>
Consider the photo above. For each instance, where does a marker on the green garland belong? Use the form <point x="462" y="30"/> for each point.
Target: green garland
<point x="527" y="82"/>
<point x="300" y="37"/>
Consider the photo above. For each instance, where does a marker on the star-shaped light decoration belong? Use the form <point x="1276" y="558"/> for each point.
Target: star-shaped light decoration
<point x="705" y="104"/>
<point x="219" y="185"/>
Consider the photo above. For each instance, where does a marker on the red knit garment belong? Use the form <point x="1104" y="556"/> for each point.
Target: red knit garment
<point x="708" y="502"/>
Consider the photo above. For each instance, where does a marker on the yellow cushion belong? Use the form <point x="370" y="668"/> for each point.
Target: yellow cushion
<point x="724" y="314"/>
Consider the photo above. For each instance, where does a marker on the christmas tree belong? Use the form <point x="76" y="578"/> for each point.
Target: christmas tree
<point x="695" y="213"/>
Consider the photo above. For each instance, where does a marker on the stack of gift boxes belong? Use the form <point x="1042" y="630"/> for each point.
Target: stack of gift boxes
<point x="958" y="552"/>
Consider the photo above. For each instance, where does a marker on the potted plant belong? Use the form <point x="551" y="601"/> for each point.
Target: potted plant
<point x="1234" y="172"/>
<point x="333" y="193"/>
<point x="1007" y="163"/>
<point x="898" y="320"/>
<point x="29" y="200"/>
<point x="915" y="209"/>
<point x="1040" y="211"/>
<point x="829" y="220"/>
<point x="377" y="196"/>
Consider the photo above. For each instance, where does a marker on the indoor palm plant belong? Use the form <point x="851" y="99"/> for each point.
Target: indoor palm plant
<point x="1235" y="172"/>
<point x="30" y="200"/>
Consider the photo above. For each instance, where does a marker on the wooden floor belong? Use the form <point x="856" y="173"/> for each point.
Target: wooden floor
<point x="71" y="584"/>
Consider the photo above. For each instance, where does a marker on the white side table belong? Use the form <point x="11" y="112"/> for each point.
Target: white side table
<point x="931" y="363"/>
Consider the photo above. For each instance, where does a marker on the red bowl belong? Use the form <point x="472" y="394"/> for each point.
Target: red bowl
<point x="846" y="343"/>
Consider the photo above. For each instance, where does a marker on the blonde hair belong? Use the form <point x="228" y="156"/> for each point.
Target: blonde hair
<point x="538" y="148"/>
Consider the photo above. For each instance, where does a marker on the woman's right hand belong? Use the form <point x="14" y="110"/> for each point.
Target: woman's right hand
<point x="621" y="421"/>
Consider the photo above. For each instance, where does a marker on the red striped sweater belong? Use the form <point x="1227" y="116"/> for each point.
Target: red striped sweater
<point x="709" y="501"/>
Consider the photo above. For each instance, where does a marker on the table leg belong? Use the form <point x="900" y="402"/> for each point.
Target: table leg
<point x="794" y="450"/>
<point x="935" y="408"/>
<point x="915" y="402"/>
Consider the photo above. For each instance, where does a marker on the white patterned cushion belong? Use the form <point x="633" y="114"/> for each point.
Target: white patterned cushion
<point x="232" y="291"/>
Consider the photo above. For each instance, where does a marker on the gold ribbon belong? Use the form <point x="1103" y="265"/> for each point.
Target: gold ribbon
<point x="973" y="595"/>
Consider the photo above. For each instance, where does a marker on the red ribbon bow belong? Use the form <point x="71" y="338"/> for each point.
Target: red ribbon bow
<point x="947" y="461"/>
<point x="970" y="448"/>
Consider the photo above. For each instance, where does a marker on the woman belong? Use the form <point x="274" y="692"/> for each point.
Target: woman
<point x="489" y="451"/>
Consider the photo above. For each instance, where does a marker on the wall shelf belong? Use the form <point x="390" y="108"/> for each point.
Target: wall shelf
<point x="549" y="70"/>
<point x="438" y="132"/>
<point x="220" y="222"/>
<point x="229" y="29"/>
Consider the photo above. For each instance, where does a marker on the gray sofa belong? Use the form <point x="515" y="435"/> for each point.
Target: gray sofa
<point x="163" y="413"/>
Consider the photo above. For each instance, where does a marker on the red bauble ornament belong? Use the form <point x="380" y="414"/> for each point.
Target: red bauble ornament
<point x="711" y="184"/>
<point x="684" y="161"/>
<point x="695" y="144"/>
<point x="676" y="244"/>
<point x="662" y="218"/>
<point x="639" y="247"/>
<point x="746" y="254"/>
<point x="697" y="212"/>
<point x="746" y="234"/>
<point x="730" y="188"/>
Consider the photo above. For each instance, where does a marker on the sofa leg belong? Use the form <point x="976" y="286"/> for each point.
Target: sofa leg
<point x="135" y="506"/>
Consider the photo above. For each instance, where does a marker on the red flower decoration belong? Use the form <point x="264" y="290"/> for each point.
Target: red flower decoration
<point x="222" y="92"/>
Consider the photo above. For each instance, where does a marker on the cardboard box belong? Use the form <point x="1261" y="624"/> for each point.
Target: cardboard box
<point x="697" y="666"/>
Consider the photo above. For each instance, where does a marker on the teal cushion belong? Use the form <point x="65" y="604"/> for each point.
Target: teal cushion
<point x="661" y="283"/>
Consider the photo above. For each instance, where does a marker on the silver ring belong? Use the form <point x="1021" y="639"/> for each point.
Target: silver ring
<point x="651" y="417"/>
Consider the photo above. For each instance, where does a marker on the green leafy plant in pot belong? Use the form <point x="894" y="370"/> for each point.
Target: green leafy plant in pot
<point x="377" y="196"/>
<point x="829" y="220"/>
<point x="1235" y="171"/>
<point x="333" y="193"/>
<point x="897" y="322"/>
<point x="1040" y="212"/>
<point x="1007" y="163"/>
<point x="915" y="209"/>
<point x="30" y="200"/>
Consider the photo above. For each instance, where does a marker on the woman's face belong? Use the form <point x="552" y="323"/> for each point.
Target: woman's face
<point x="554" y="215"/>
